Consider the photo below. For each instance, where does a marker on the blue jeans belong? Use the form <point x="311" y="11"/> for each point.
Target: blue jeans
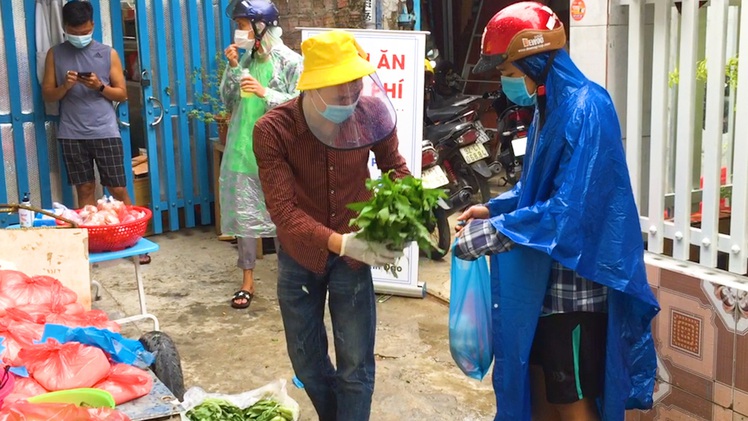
<point x="343" y="394"/>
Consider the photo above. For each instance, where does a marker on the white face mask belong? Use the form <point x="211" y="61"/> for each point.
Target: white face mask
<point x="242" y="40"/>
<point x="79" y="41"/>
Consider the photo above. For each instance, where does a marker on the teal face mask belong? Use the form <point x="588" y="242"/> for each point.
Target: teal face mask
<point x="516" y="91"/>
<point x="336" y="113"/>
<point x="79" y="41"/>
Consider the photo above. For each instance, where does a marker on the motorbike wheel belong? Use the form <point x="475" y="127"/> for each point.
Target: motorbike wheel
<point x="481" y="188"/>
<point x="442" y="235"/>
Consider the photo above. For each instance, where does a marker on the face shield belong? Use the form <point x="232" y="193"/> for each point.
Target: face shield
<point x="352" y="115"/>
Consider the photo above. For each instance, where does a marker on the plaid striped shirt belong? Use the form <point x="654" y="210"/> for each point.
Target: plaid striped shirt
<point x="567" y="291"/>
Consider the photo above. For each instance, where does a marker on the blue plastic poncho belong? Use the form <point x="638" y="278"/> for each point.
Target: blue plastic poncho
<point x="574" y="205"/>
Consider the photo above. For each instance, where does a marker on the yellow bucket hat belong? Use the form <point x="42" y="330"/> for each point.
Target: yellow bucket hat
<point x="332" y="58"/>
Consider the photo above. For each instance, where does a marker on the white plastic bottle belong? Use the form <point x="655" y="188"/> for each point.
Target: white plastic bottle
<point x="245" y="73"/>
<point x="25" y="216"/>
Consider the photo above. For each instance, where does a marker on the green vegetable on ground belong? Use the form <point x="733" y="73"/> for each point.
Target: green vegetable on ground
<point x="266" y="409"/>
<point x="399" y="212"/>
<point x="213" y="409"/>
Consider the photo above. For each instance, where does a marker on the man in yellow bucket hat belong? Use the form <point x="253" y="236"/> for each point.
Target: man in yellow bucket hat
<point x="313" y="155"/>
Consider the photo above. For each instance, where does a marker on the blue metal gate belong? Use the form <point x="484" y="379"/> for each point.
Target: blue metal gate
<point x="175" y="39"/>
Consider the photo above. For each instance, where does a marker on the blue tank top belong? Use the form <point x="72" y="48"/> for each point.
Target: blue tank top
<point x="85" y="113"/>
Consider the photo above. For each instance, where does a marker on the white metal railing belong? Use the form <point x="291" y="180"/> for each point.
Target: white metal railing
<point x="691" y="166"/>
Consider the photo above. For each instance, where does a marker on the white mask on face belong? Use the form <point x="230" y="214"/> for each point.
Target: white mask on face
<point x="242" y="40"/>
<point x="79" y="41"/>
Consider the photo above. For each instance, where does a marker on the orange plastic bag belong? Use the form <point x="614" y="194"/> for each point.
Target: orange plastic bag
<point x="20" y="289"/>
<point x="64" y="366"/>
<point x="93" y="318"/>
<point x="126" y="383"/>
<point x="18" y="335"/>
<point x="24" y="388"/>
<point x="24" y="411"/>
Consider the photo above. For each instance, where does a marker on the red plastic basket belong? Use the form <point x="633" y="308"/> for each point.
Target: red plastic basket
<point x="117" y="237"/>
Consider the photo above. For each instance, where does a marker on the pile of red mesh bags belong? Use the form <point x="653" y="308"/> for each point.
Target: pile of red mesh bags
<point x="26" y="305"/>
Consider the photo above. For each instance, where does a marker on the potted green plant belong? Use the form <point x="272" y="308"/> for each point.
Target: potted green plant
<point x="213" y="109"/>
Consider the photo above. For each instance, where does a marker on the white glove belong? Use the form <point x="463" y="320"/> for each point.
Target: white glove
<point x="373" y="254"/>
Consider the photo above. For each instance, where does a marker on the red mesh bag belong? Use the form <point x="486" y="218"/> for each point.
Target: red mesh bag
<point x="20" y="289"/>
<point x="25" y="387"/>
<point x="18" y="335"/>
<point x="18" y="315"/>
<point x="5" y="303"/>
<point x="70" y="365"/>
<point x="93" y="318"/>
<point x="126" y="383"/>
<point x="24" y="411"/>
<point x="40" y="313"/>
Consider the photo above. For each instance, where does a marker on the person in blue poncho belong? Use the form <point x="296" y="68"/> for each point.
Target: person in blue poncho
<point x="571" y="305"/>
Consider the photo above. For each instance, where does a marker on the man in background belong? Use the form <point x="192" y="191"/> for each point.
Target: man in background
<point x="86" y="77"/>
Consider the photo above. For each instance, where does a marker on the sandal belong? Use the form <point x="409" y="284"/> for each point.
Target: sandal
<point x="145" y="259"/>
<point x="241" y="295"/>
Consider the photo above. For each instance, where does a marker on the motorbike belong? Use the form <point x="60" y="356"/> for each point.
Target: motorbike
<point x="453" y="158"/>
<point x="433" y="176"/>
<point x="438" y="107"/>
<point x="448" y="82"/>
<point x="456" y="128"/>
<point x="509" y="141"/>
<point x="461" y="150"/>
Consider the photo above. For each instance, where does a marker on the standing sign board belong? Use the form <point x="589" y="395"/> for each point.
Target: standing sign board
<point x="398" y="57"/>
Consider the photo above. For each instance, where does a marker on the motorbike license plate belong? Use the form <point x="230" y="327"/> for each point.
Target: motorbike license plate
<point x="434" y="177"/>
<point x="519" y="146"/>
<point x="474" y="152"/>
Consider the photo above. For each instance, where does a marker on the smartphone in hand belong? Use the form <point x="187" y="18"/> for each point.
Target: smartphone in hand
<point x="84" y="75"/>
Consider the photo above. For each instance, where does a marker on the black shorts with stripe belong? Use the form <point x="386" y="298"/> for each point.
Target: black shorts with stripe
<point x="108" y="155"/>
<point x="570" y="348"/>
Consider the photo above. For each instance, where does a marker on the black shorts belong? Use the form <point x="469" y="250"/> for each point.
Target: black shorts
<point x="570" y="348"/>
<point x="79" y="157"/>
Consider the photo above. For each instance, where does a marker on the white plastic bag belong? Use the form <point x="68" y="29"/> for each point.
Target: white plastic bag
<point x="275" y="390"/>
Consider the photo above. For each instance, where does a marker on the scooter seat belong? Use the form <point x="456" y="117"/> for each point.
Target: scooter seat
<point x="438" y="132"/>
<point x="444" y="114"/>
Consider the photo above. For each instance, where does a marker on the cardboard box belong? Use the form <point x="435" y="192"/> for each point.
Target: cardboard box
<point x="61" y="253"/>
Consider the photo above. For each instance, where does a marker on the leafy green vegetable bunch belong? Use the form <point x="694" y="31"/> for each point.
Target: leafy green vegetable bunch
<point x="399" y="212"/>
<point x="213" y="409"/>
<point x="268" y="410"/>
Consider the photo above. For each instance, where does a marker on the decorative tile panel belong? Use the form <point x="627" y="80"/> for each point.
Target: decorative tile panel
<point x="685" y="333"/>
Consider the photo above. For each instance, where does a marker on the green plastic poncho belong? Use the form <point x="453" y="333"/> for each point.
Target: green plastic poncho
<point x="243" y="212"/>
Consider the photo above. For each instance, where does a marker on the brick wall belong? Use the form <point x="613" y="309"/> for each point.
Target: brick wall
<point x="318" y="13"/>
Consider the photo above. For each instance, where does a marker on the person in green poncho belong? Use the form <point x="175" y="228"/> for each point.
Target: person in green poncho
<point x="263" y="77"/>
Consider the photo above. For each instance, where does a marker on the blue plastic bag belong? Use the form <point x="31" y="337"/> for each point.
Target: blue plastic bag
<point x="470" y="339"/>
<point x="121" y="349"/>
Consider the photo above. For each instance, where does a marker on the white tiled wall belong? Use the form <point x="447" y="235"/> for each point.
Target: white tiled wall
<point x="588" y="47"/>
<point x="596" y="13"/>
<point x="599" y="46"/>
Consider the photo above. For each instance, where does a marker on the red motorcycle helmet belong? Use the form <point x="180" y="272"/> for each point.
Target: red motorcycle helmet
<point x="519" y="30"/>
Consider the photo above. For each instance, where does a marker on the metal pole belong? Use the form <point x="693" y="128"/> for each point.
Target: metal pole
<point x="417" y="13"/>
